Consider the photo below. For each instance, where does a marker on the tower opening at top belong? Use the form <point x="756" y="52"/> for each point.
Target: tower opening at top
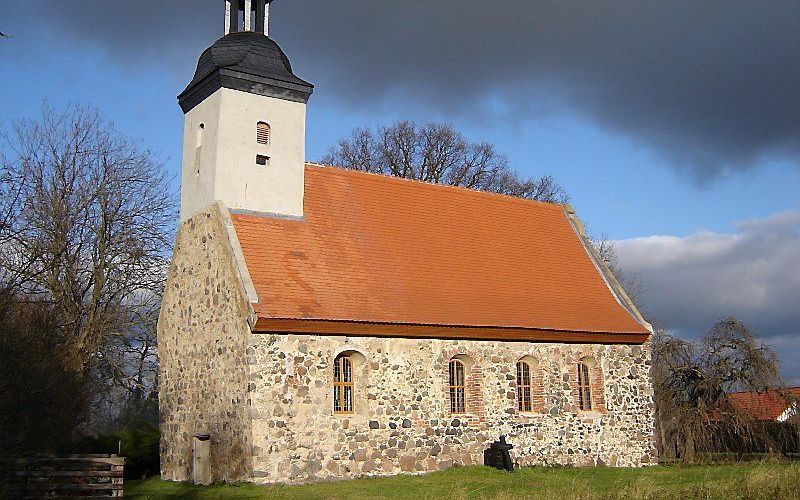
<point x="247" y="15"/>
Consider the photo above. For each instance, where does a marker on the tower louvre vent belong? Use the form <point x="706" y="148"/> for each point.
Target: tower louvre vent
<point x="262" y="133"/>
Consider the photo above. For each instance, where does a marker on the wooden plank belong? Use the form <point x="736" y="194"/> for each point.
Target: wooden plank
<point x="107" y="483"/>
<point x="43" y="471"/>
<point x="71" y="459"/>
<point x="64" y="476"/>
<point x="92" y="497"/>
<point x="68" y="473"/>
<point x="50" y="455"/>
<point x="76" y="455"/>
<point x="58" y="480"/>
<point x="96" y="457"/>
<point x="45" y="487"/>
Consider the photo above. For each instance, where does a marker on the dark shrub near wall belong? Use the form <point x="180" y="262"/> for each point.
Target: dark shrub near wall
<point x="138" y="445"/>
<point x="763" y="440"/>
<point x="777" y="438"/>
<point x="42" y="404"/>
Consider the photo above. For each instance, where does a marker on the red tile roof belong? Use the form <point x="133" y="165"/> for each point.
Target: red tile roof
<point x="382" y="250"/>
<point x="767" y="405"/>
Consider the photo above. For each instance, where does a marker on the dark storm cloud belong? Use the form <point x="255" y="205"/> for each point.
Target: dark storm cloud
<point x="689" y="283"/>
<point x="714" y="86"/>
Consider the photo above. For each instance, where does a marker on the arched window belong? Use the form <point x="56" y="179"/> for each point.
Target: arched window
<point x="343" y="385"/>
<point x="584" y="387"/>
<point x="524" y="386"/>
<point x="458" y="403"/>
<point x="263" y="133"/>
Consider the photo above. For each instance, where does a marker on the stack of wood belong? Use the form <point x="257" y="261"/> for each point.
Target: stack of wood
<point x="60" y="476"/>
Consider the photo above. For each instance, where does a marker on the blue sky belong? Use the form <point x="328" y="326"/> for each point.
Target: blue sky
<point x="623" y="167"/>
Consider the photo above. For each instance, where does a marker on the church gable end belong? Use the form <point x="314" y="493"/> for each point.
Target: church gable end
<point x="202" y="342"/>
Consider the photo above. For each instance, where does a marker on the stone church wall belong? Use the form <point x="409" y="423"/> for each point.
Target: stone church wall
<point x="202" y="342"/>
<point x="402" y="421"/>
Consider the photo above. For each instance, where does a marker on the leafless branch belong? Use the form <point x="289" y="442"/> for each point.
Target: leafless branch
<point x="86" y="224"/>
<point x="439" y="154"/>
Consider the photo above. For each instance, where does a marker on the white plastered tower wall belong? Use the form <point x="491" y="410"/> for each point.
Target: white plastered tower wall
<point x="244" y="122"/>
<point x="227" y="170"/>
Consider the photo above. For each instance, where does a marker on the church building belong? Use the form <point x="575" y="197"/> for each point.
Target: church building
<point x="321" y="323"/>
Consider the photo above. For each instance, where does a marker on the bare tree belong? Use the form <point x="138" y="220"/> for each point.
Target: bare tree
<point x="439" y="154"/>
<point x="88" y="217"/>
<point x="127" y="371"/>
<point x="630" y="281"/>
<point x="692" y="380"/>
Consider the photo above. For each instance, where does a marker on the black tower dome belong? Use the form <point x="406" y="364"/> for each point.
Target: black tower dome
<point x="247" y="61"/>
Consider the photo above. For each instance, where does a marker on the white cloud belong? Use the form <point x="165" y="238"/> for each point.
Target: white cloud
<point x="753" y="274"/>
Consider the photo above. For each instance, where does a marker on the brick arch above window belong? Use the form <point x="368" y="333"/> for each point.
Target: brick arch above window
<point x="468" y="360"/>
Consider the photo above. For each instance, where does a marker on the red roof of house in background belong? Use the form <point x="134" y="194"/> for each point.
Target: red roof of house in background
<point x="381" y="250"/>
<point x="763" y="405"/>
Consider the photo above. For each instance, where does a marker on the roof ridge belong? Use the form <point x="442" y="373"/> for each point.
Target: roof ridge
<point x="378" y="176"/>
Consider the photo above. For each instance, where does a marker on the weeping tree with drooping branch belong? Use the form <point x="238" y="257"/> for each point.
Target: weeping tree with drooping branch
<point x="692" y="380"/>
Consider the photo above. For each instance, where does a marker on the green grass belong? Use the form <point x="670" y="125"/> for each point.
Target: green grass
<point x="771" y="481"/>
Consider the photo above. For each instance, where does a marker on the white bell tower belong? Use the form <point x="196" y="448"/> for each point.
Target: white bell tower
<point x="244" y="125"/>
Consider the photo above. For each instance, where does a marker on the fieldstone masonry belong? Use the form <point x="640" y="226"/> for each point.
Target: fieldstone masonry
<point x="203" y="333"/>
<point x="266" y="399"/>
<point x="402" y="421"/>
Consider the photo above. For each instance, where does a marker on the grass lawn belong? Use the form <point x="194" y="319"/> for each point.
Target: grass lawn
<point x="760" y="480"/>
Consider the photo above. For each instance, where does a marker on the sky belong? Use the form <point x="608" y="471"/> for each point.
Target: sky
<point x="674" y="126"/>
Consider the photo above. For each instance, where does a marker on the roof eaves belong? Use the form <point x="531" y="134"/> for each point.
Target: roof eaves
<point x="419" y="330"/>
